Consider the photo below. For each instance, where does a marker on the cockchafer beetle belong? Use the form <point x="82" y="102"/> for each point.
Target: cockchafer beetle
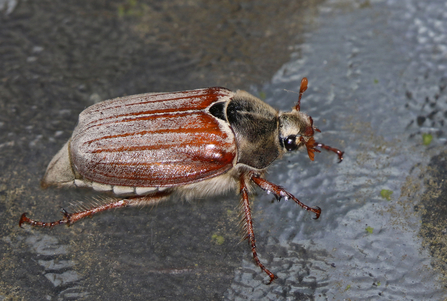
<point x="197" y="143"/>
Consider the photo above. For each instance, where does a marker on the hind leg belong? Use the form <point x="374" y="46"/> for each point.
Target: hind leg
<point x="71" y="218"/>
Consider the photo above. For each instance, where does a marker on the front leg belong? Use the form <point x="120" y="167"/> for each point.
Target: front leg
<point x="280" y="192"/>
<point x="331" y="149"/>
<point x="248" y="226"/>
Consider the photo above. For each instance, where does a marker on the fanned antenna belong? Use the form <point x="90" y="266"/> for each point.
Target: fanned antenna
<point x="303" y="88"/>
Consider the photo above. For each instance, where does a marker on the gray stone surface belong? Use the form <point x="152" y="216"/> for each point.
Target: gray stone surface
<point x="377" y="79"/>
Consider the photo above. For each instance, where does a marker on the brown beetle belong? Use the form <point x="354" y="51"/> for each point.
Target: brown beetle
<point x="195" y="143"/>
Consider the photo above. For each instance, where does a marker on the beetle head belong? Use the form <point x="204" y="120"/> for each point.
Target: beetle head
<point x="296" y="129"/>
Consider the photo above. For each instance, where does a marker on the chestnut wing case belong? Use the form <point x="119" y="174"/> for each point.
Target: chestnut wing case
<point x="160" y="139"/>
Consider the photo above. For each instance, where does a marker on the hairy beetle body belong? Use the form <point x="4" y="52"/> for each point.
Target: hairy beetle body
<point x="146" y="147"/>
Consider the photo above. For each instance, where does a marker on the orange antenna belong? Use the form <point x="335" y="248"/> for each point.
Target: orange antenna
<point x="303" y="88"/>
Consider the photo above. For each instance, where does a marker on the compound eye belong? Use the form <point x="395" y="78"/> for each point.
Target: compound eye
<point x="290" y="143"/>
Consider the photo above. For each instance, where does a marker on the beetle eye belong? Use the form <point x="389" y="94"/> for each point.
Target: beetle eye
<point x="290" y="143"/>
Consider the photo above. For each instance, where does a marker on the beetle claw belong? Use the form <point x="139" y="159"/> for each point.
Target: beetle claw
<point x="340" y="156"/>
<point x="272" y="278"/>
<point x="23" y="219"/>
<point x="26" y="220"/>
<point x="317" y="212"/>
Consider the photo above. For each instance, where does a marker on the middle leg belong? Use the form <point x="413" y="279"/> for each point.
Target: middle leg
<point x="248" y="227"/>
<point x="280" y="192"/>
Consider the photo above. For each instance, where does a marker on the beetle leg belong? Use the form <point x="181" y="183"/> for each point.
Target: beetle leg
<point x="332" y="149"/>
<point x="249" y="228"/>
<point x="279" y="192"/>
<point x="71" y="218"/>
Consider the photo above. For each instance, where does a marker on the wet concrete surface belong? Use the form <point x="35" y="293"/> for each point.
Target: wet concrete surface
<point x="377" y="81"/>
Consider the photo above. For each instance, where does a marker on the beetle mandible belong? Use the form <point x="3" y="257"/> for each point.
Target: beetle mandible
<point x="145" y="148"/>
